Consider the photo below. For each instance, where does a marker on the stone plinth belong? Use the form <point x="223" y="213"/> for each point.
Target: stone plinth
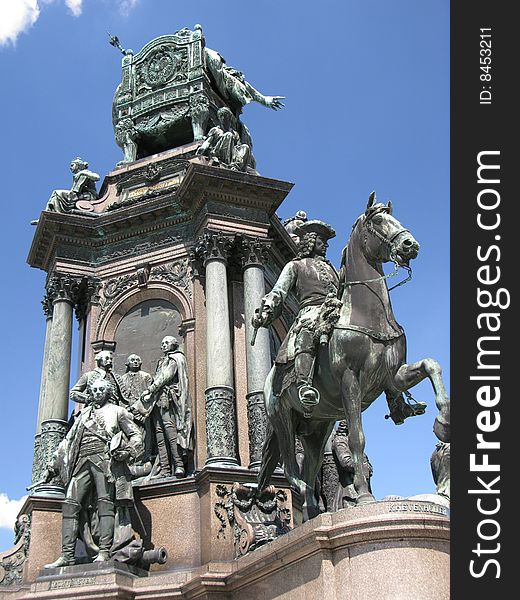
<point x="392" y="550"/>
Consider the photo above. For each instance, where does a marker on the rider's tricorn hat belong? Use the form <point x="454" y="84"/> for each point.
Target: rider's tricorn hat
<point x="324" y="230"/>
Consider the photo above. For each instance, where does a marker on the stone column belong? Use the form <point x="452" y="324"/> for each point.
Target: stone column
<point x="221" y="435"/>
<point x="61" y="289"/>
<point x="47" y="310"/>
<point x="88" y="295"/>
<point x="254" y="255"/>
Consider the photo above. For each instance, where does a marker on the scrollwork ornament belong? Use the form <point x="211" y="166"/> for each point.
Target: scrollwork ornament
<point x="176" y="273"/>
<point x="12" y="561"/>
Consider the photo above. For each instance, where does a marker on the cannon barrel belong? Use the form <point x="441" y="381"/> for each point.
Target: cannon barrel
<point x="157" y="555"/>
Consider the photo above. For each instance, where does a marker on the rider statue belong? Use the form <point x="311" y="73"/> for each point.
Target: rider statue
<point x="313" y="279"/>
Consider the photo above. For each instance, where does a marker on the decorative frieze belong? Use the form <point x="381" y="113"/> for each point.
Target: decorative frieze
<point x="221" y="425"/>
<point x="257" y="426"/>
<point x="52" y="433"/>
<point x="177" y="273"/>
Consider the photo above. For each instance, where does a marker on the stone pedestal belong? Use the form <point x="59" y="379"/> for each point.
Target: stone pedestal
<point x="392" y="550"/>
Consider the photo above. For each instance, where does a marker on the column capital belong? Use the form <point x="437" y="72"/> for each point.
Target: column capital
<point x="213" y="245"/>
<point x="78" y="291"/>
<point x="254" y="252"/>
<point x="62" y="287"/>
<point x="88" y="293"/>
<point x="47" y="306"/>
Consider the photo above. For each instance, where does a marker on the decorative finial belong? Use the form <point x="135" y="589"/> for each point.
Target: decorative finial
<point x="114" y="41"/>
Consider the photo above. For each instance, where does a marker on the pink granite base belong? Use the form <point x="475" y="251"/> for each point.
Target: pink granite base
<point x="396" y="550"/>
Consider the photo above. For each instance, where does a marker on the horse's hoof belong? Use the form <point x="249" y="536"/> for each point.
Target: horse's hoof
<point x="365" y="499"/>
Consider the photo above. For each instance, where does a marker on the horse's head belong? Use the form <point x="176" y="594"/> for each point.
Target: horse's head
<point x="384" y="238"/>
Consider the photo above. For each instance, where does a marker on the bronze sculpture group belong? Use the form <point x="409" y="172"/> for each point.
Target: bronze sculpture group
<point x="343" y="350"/>
<point x="361" y="355"/>
<point x="110" y="435"/>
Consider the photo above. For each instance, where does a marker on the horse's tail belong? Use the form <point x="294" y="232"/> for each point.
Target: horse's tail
<point x="270" y="457"/>
<point x="271" y="447"/>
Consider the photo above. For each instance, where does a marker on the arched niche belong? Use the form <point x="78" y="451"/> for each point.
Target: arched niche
<point x="141" y="330"/>
<point x="138" y="322"/>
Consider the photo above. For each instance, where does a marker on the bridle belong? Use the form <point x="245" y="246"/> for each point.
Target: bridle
<point x="369" y="228"/>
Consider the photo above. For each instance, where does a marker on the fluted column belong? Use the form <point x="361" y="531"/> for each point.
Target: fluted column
<point x="61" y="290"/>
<point x="258" y="357"/>
<point x="221" y="434"/>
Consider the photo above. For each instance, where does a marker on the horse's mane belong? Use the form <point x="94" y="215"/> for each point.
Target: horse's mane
<point x="367" y="215"/>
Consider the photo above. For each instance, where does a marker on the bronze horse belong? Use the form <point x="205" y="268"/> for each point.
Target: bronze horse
<point x="364" y="357"/>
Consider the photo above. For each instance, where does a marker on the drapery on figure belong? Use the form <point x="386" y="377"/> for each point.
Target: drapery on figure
<point x="167" y="400"/>
<point x="104" y="361"/>
<point x="233" y="87"/>
<point x="92" y="463"/>
<point x="223" y="144"/>
<point x="83" y="188"/>
<point x="346" y="494"/>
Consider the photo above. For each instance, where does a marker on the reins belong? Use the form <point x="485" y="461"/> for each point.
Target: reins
<point x="397" y="266"/>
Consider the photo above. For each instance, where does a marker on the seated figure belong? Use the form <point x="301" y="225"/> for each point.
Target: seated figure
<point x="223" y="144"/>
<point x="83" y="188"/>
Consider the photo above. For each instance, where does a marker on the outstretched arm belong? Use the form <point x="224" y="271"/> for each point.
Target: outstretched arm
<point x="274" y="102"/>
<point x="272" y="302"/>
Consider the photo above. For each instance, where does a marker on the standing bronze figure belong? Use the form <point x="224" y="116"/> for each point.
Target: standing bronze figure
<point x="170" y="404"/>
<point x="92" y="462"/>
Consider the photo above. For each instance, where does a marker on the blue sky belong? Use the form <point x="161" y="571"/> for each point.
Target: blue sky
<point x="367" y="108"/>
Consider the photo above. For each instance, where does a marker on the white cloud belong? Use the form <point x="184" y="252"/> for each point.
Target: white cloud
<point x="9" y="510"/>
<point x="125" y="6"/>
<point x="75" y="6"/>
<point x="16" y="16"/>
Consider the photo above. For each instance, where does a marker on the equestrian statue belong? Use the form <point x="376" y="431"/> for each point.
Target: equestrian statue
<point x="343" y="351"/>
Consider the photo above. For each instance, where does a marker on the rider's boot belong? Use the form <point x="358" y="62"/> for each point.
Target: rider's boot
<point x="309" y="395"/>
<point x="69" y="535"/>
<point x="401" y="410"/>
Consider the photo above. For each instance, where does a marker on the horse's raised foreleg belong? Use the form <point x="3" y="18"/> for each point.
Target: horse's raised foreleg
<point x="409" y="375"/>
<point x="351" y="396"/>
<point x="314" y="446"/>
